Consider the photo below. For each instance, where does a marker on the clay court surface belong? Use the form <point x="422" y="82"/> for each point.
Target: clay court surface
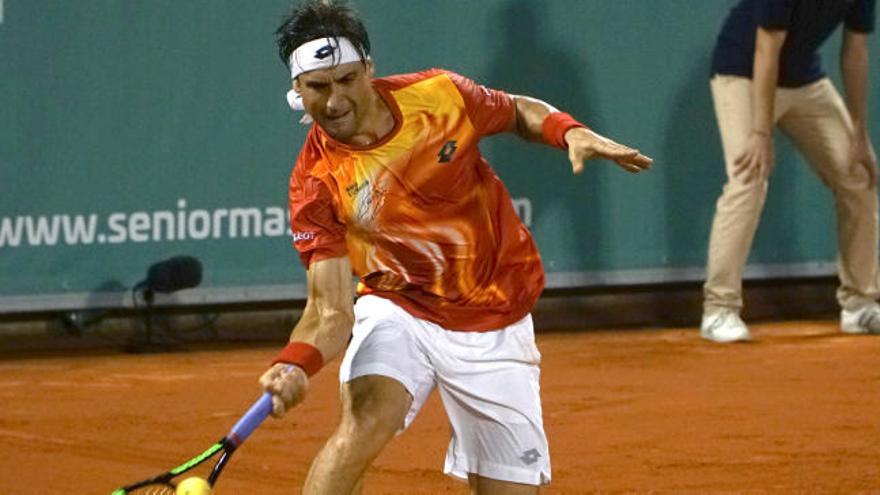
<point x="798" y="410"/>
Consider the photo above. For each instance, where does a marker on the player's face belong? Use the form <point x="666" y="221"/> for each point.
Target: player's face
<point x="338" y="98"/>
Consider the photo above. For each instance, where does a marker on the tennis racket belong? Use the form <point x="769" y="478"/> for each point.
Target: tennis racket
<point x="166" y="483"/>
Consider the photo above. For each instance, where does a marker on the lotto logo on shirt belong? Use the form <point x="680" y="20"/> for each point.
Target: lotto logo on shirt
<point x="303" y="236"/>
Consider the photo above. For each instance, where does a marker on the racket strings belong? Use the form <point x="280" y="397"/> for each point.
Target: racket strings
<point x="153" y="490"/>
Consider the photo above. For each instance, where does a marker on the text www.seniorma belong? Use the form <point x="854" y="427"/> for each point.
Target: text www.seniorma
<point x="158" y="226"/>
<point x="142" y="226"/>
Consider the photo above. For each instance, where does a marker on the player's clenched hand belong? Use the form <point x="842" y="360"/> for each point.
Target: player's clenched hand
<point x="287" y="384"/>
<point x="584" y="144"/>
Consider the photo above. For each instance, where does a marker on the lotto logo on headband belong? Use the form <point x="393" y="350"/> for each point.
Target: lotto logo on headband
<point x="322" y="53"/>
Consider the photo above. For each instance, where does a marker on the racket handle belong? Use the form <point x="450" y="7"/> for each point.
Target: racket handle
<point x="252" y="418"/>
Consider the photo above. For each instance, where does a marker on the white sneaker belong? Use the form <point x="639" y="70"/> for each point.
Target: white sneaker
<point x="725" y="326"/>
<point x="863" y="320"/>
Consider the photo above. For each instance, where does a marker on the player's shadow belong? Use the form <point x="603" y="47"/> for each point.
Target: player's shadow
<point x="567" y="210"/>
<point x="694" y="176"/>
<point x="693" y="168"/>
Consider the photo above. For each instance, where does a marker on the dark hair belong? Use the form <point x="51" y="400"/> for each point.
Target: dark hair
<point x="314" y="19"/>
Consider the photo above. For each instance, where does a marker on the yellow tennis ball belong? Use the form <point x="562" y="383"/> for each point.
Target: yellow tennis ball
<point x="194" y="486"/>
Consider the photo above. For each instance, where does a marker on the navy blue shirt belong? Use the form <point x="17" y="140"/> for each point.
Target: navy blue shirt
<point x="808" y="24"/>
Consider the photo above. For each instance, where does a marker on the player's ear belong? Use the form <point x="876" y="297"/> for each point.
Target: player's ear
<point x="371" y="68"/>
<point x="297" y="86"/>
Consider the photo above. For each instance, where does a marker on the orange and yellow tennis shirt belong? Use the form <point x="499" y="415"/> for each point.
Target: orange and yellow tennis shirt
<point x="424" y="220"/>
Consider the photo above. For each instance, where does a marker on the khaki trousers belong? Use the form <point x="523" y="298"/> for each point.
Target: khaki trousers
<point x="817" y="121"/>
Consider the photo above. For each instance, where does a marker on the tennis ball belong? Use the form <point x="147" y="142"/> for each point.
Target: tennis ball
<point x="193" y="486"/>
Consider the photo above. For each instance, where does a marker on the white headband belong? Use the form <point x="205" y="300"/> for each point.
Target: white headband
<point x="322" y="53"/>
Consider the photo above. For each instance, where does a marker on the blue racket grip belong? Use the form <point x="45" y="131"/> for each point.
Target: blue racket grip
<point x="252" y="419"/>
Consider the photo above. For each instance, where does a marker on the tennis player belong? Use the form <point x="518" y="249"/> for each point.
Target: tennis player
<point x="390" y="186"/>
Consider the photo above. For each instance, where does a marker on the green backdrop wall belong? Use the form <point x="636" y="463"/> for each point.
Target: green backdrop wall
<point x="134" y="131"/>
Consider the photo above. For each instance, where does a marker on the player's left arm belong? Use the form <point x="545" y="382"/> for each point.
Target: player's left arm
<point x="539" y="122"/>
<point x="854" y="69"/>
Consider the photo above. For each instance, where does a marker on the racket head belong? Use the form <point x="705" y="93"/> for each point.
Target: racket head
<point x="166" y="483"/>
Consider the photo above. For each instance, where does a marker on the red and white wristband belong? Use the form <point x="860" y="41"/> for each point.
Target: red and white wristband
<point x="555" y="126"/>
<point x="306" y="356"/>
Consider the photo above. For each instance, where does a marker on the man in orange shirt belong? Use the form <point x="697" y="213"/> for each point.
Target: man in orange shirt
<point x="390" y="186"/>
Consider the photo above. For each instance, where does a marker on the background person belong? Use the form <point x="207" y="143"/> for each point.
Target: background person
<point x="767" y="74"/>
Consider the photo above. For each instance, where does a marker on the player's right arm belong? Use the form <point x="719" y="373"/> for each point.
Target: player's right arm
<point x="323" y="330"/>
<point x="324" y="326"/>
<point x="492" y="111"/>
<point x="758" y="157"/>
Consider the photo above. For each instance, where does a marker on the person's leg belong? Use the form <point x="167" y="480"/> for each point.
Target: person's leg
<point x="385" y="379"/>
<point x="480" y="485"/>
<point x="739" y="207"/>
<point x="373" y="410"/>
<point x="489" y="385"/>
<point x="820" y="126"/>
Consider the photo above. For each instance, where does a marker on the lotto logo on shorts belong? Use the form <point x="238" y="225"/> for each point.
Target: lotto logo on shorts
<point x="530" y="456"/>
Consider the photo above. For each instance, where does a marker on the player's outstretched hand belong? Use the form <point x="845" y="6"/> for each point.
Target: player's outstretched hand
<point x="288" y="386"/>
<point x="584" y="144"/>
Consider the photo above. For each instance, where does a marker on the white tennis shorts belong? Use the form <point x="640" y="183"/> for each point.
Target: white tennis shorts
<point x="488" y="382"/>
